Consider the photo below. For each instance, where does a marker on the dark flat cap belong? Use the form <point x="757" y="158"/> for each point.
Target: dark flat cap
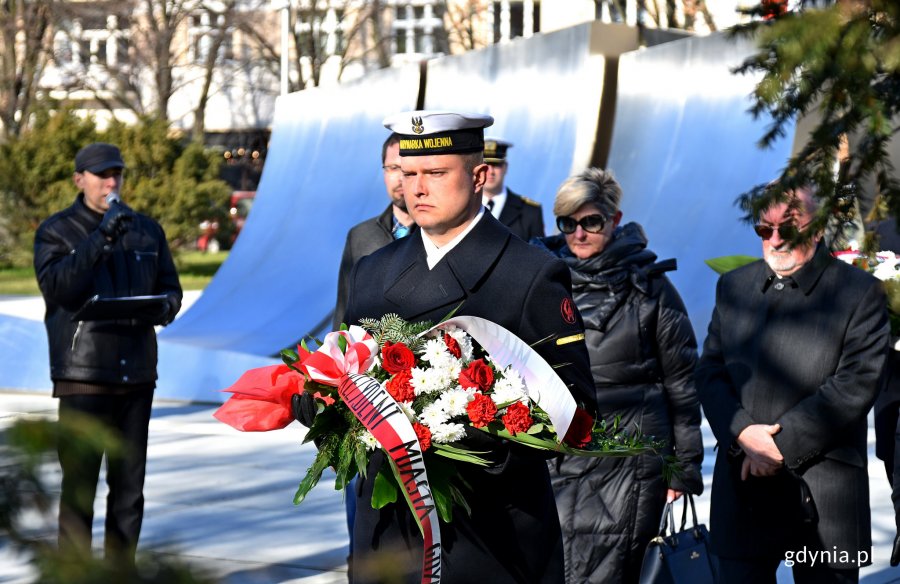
<point x="98" y="157"/>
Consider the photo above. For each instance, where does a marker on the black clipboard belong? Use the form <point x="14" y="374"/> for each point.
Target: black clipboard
<point x="122" y="308"/>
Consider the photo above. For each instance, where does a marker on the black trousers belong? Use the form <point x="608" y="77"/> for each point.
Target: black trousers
<point x="126" y="417"/>
<point x="763" y="572"/>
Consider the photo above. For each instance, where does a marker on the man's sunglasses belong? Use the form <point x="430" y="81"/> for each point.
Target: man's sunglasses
<point x="786" y="231"/>
<point x="590" y="223"/>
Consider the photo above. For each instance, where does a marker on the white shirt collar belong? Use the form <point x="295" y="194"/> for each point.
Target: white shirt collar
<point x="434" y="254"/>
<point x="499" y="201"/>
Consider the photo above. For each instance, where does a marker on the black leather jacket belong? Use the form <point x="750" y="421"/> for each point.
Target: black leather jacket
<point x="73" y="261"/>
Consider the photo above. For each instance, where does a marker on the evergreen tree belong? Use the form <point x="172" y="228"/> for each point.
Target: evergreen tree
<point x="172" y="181"/>
<point x="842" y="64"/>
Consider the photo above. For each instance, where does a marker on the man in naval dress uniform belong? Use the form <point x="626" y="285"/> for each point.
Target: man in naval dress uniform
<point x="463" y="258"/>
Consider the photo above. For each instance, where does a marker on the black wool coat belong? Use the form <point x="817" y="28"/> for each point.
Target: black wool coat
<point x="524" y="219"/>
<point x="513" y="534"/>
<point x="806" y="352"/>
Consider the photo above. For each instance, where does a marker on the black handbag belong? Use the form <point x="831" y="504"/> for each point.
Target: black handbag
<point x="678" y="558"/>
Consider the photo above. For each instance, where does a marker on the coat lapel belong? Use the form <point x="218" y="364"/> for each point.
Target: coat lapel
<point x="512" y="209"/>
<point x="415" y="290"/>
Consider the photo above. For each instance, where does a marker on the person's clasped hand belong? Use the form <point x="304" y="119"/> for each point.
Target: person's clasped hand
<point x="116" y="221"/>
<point x="762" y="457"/>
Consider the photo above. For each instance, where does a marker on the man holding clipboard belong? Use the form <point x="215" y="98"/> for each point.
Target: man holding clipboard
<point x="107" y="277"/>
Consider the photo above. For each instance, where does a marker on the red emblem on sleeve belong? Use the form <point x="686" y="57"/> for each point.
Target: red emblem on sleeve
<point x="567" y="309"/>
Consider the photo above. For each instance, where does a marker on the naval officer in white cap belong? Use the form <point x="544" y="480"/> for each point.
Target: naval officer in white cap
<point x="463" y="257"/>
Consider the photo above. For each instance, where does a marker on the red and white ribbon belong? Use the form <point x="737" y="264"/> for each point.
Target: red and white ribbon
<point x="329" y="363"/>
<point x="381" y="415"/>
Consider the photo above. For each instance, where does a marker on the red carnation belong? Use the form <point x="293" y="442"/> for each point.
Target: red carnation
<point x="517" y="418"/>
<point x="452" y="346"/>
<point x="481" y="410"/>
<point x="478" y="375"/>
<point x="400" y="387"/>
<point x="423" y="433"/>
<point x="396" y="357"/>
<point x="580" y="430"/>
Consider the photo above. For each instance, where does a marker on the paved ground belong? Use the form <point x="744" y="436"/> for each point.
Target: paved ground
<point x="221" y="499"/>
<point x="218" y="498"/>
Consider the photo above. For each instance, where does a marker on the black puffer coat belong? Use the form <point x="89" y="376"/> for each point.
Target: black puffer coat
<point x="643" y="352"/>
<point x="73" y="262"/>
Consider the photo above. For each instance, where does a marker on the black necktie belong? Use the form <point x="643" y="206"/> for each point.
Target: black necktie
<point x="490" y="206"/>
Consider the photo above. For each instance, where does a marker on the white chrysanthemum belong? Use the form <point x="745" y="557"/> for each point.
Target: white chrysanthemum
<point x="454" y="402"/>
<point x="430" y="380"/>
<point x="464" y="340"/>
<point x="510" y="388"/>
<point x="435" y="351"/>
<point x="887" y="268"/>
<point x="369" y="440"/>
<point x="446" y="375"/>
<point x="420" y="379"/>
<point x="505" y="394"/>
<point x="433" y="415"/>
<point x="444" y="433"/>
<point x="408" y="410"/>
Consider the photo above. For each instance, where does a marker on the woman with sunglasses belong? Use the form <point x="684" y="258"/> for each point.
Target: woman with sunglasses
<point x="643" y="352"/>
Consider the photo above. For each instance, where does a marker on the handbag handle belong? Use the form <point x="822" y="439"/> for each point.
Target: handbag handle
<point x="689" y="500"/>
<point x="667" y="515"/>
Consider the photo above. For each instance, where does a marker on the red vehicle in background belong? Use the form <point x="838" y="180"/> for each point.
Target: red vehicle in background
<point x="213" y="237"/>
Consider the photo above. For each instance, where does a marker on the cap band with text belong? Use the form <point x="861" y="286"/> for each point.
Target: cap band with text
<point x="424" y="133"/>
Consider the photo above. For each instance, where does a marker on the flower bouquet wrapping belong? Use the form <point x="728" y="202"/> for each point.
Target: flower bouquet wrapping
<point x="424" y="395"/>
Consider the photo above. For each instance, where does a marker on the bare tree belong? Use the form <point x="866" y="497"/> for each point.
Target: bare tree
<point x="218" y="35"/>
<point x="155" y="46"/>
<point x="144" y="78"/>
<point x="321" y="32"/>
<point x="26" y="37"/>
<point x="461" y="23"/>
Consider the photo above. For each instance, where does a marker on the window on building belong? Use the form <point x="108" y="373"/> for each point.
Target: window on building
<point x="203" y="27"/>
<point x="321" y="32"/>
<point x="517" y="19"/>
<point x="415" y="27"/>
<point x="91" y="40"/>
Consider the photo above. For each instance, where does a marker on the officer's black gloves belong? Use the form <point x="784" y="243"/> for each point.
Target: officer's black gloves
<point x="895" y="554"/>
<point x="116" y="221"/>
<point x="304" y="408"/>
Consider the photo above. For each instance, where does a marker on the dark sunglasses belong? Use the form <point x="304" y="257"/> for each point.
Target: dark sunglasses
<point x="786" y="231"/>
<point x="590" y="223"/>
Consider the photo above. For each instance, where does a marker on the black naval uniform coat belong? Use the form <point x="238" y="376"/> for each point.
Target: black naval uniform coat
<point x="807" y="353"/>
<point x="522" y="216"/>
<point x="513" y="535"/>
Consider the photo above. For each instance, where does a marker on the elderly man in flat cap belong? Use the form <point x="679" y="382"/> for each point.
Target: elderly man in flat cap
<point x="103" y="366"/>
<point x="521" y="215"/>
<point x="463" y="257"/>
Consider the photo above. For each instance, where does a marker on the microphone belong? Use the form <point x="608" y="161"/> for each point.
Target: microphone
<point x="113" y="197"/>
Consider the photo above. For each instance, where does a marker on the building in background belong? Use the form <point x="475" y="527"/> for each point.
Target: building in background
<point x="212" y="68"/>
